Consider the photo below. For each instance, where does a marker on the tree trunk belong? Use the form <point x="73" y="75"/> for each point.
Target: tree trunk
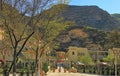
<point x="38" y="68"/>
<point x="38" y="72"/>
<point x="14" y="64"/>
<point x="36" y="59"/>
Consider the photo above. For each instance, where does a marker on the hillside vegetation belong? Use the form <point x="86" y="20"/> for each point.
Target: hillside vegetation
<point x="90" y="38"/>
<point x="92" y="16"/>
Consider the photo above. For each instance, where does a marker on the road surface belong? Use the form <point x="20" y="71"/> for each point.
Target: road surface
<point x="72" y="74"/>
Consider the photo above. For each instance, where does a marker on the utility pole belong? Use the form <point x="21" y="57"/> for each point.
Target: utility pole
<point x="97" y="61"/>
<point x="115" y="60"/>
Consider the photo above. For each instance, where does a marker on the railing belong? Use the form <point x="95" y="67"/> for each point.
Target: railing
<point x="23" y="69"/>
<point x="101" y="70"/>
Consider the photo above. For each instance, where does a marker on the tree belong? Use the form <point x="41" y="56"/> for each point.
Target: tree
<point x="86" y="59"/>
<point x="45" y="67"/>
<point x="4" y="47"/>
<point x="47" y="33"/>
<point x="20" y="20"/>
<point x="78" y="33"/>
<point x="3" y="50"/>
<point x="96" y="36"/>
<point x="113" y="39"/>
<point x="110" y="57"/>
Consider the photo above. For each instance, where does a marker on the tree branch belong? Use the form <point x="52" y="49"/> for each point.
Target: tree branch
<point x="9" y="32"/>
<point x="24" y="43"/>
<point x="20" y="50"/>
<point x="14" y="36"/>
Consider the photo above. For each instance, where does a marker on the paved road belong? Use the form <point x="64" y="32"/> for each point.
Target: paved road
<point x="72" y="74"/>
<point x="68" y="74"/>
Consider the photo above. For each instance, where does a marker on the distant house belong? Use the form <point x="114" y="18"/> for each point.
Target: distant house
<point x="98" y="55"/>
<point x="74" y="53"/>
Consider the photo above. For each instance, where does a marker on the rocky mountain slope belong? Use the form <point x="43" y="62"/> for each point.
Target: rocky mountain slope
<point x="91" y="16"/>
<point x="92" y="27"/>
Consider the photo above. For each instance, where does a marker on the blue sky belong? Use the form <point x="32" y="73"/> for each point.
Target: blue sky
<point x="111" y="6"/>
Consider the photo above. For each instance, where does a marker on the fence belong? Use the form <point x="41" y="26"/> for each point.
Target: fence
<point x="101" y="70"/>
<point x="23" y="69"/>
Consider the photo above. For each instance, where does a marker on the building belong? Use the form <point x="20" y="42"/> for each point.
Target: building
<point x="98" y="55"/>
<point x="74" y="53"/>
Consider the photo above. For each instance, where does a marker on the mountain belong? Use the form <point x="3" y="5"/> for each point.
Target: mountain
<point x="82" y="37"/>
<point x="93" y="25"/>
<point x="92" y="16"/>
<point x="116" y="16"/>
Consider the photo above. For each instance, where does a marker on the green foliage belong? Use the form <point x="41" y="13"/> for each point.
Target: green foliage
<point x="110" y="57"/>
<point x="20" y="28"/>
<point x="85" y="37"/>
<point x="53" y="30"/>
<point x="87" y="60"/>
<point x="113" y="39"/>
<point x="45" y="67"/>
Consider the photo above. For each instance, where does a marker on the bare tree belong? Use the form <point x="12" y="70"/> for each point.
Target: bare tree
<point x="44" y="38"/>
<point x="20" y="20"/>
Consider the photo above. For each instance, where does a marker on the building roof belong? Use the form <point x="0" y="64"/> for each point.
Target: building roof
<point x="77" y="49"/>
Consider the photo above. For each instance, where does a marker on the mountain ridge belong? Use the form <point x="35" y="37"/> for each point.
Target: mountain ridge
<point x="90" y="16"/>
